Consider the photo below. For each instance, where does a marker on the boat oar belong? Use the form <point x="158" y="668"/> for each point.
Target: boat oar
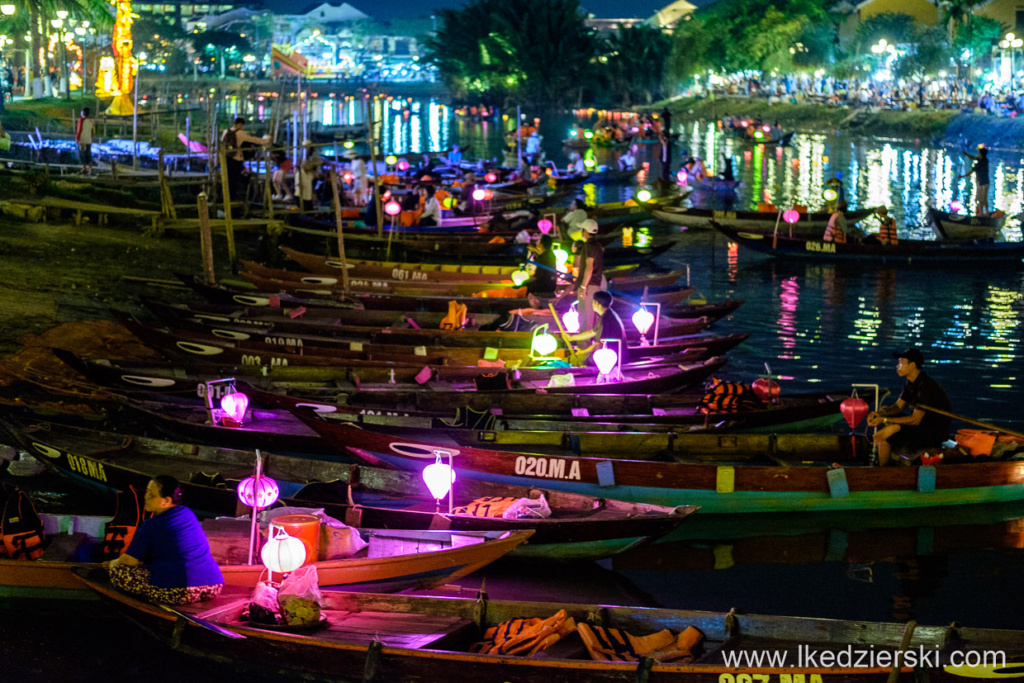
<point x="203" y="623"/>
<point x="977" y="423"/>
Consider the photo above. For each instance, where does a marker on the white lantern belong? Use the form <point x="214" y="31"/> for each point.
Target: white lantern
<point x="544" y="344"/>
<point x="643" y="319"/>
<point x="606" y="359"/>
<point x="439" y="478"/>
<point x="571" y="321"/>
<point x="283" y="553"/>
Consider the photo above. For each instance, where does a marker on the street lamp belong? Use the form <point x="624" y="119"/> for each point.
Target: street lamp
<point x="1011" y="43"/>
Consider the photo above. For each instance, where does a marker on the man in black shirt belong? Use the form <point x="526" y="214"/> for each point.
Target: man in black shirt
<point x="608" y="325"/>
<point x="921" y="428"/>
<point x="981" y="176"/>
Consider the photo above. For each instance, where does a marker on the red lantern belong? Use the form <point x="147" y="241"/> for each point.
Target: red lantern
<point x="790" y="216"/>
<point x="766" y="389"/>
<point x="854" y="410"/>
<point x="491" y="177"/>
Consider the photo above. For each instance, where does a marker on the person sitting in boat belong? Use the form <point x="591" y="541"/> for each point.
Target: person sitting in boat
<point x="981" y="176"/>
<point x="467" y="206"/>
<point x="544" y="276"/>
<point x="886" y="229"/>
<point x="836" y="230"/>
<point x="627" y="162"/>
<point x="169" y="558"/>
<point x="607" y="325"/>
<point x="921" y="428"/>
<point x="574" y="217"/>
<point x="695" y="169"/>
<point x="431" y="207"/>
<point x="454" y="157"/>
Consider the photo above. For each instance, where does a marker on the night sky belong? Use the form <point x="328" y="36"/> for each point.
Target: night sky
<point x="394" y="9"/>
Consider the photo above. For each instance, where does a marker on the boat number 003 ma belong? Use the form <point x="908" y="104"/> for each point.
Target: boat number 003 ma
<point x="766" y="678"/>
<point x="551" y="468"/>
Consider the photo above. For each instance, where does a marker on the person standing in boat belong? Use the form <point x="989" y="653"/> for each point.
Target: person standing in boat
<point x="232" y="140"/>
<point x="169" y="558"/>
<point x="590" y="278"/>
<point x="921" y="428"/>
<point x="607" y="325"/>
<point x="981" y="176"/>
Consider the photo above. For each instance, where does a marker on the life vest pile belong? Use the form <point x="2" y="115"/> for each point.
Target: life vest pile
<point x="21" y="529"/>
<point x="613" y="645"/>
<point x="488" y="506"/>
<point x="979" y="443"/>
<point x="728" y="397"/>
<point x="456" y="318"/>
<point x="525" y="636"/>
<point x="131" y="511"/>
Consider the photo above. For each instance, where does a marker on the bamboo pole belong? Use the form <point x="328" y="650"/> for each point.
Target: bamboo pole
<point x="376" y="175"/>
<point x="206" y="239"/>
<point x="341" y="232"/>
<point x="226" y="193"/>
<point x="267" y="190"/>
<point x="977" y="423"/>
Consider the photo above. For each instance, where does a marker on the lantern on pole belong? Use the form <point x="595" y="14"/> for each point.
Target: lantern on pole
<point x="571" y="319"/>
<point x="282" y="553"/>
<point x="642" y="320"/>
<point x="440" y="478"/>
<point x="257" y="492"/>
<point x="519" y="277"/>
<point x="606" y="359"/>
<point x="542" y="344"/>
<point x="544" y="225"/>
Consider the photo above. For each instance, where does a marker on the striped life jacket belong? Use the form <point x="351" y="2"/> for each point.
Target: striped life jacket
<point x="130" y="513"/>
<point x="728" y="397"/>
<point x="488" y="506"/>
<point x="611" y="644"/>
<point x="21" y="529"/>
<point x="887" y="231"/>
<point x="525" y="636"/>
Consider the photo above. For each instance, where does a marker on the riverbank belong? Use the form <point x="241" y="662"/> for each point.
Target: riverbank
<point x="936" y="126"/>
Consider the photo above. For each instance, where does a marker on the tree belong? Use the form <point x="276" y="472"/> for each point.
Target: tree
<point x="974" y="40"/>
<point x="221" y="46"/>
<point x="163" y="40"/>
<point x="932" y="54"/>
<point x="895" y="27"/>
<point x="634" y="62"/>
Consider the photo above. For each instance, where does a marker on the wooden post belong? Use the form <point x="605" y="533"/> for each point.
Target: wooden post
<point x="225" y="190"/>
<point x="206" y="239"/>
<point x="376" y="175"/>
<point x="160" y="178"/>
<point x="341" y="233"/>
<point x="267" y="189"/>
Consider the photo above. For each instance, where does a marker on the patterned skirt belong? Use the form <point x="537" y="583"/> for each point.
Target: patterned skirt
<point x="135" y="580"/>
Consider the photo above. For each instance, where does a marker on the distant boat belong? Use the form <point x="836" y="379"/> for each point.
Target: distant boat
<point x="954" y="227"/>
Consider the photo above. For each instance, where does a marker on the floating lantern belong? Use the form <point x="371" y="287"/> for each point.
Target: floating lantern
<point x="403" y="165"/>
<point x="642" y="320"/>
<point x="830" y="195"/>
<point x="790" y="216"/>
<point x="234" y="406"/>
<point x="571" y="320"/>
<point x="390" y="159"/>
<point x="491" y="177"/>
<point x="854" y="410"/>
<point x="681" y="176"/>
<point x="544" y="225"/>
<point x="258" y="492"/>
<point x="643" y="195"/>
<point x="392" y="208"/>
<point x="606" y="359"/>
<point x="519" y="277"/>
<point x="544" y="344"/>
<point x="439" y="478"/>
<point x="478" y="194"/>
<point x="282" y="553"/>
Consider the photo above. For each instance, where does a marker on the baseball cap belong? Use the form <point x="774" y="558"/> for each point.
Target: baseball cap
<point x="589" y="225"/>
<point x="912" y="354"/>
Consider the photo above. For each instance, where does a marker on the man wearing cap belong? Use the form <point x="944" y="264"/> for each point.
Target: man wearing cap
<point x="921" y="428"/>
<point x="590" y="278"/>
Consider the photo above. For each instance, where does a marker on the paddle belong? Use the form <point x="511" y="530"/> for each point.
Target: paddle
<point x="983" y="425"/>
<point x="203" y="623"/>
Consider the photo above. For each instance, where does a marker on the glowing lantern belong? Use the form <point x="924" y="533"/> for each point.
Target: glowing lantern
<point x="491" y="177"/>
<point x="282" y="553"/>
<point x="561" y="256"/>
<point x="544" y="344"/>
<point x="392" y="208"/>
<point x="258" y="492"/>
<point x="573" y="133"/>
<point x="448" y="202"/>
<point x="571" y="321"/>
<point x="488" y="194"/>
<point x="519" y="277"/>
<point x="348" y="144"/>
<point x="606" y="359"/>
<point x="790" y="216"/>
<point x="588" y="134"/>
<point x="681" y="176"/>
<point x="643" y="319"/>
<point x="643" y="195"/>
<point x="956" y="206"/>
<point x="348" y="177"/>
<point x="854" y="410"/>
<point x="234" y="405"/>
<point x="390" y="159"/>
<point x="403" y="165"/>
<point x="830" y="195"/>
<point x="588" y="162"/>
<point x="439" y="478"/>
<point x="766" y="128"/>
<point x="759" y="135"/>
<point x="544" y="225"/>
<point x="479" y="194"/>
<point x="548" y="172"/>
<point x="765" y="389"/>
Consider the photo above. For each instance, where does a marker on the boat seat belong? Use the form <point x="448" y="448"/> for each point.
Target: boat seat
<point x="409" y="630"/>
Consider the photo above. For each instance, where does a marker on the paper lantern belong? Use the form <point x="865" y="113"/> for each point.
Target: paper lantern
<point x="348" y="177"/>
<point x="348" y="144"/>
<point x="544" y="225"/>
<point x="234" y="405"/>
<point x="282" y="553"/>
<point x="758" y="135"/>
<point x="448" y="202"/>
<point x="643" y="319"/>
<point x="588" y="162"/>
<point x="606" y="359"/>
<point x="488" y="194"/>
<point x="766" y="389"/>
<point x="956" y="206"/>
<point x="643" y="195"/>
<point x="544" y="344"/>
<point x="830" y="195"/>
<point x="439" y="478"/>
<point x="403" y="165"/>
<point x="573" y="134"/>
<point x="790" y="216"/>
<point x="571" y="321"/>
<point x="491" y="177"/>
<point x="258" y="493"/>
<point x="519" y="277"/>
<point x="588" y="134"/>
<point x="390" y="159"/>
<point x="392" y="208"/>
<point x="561" y="256"/>
<point x="766" y="128"/>
<point x="479" y="194"/>
<point x="854" y="410"/>
<point x="681" y="176"/>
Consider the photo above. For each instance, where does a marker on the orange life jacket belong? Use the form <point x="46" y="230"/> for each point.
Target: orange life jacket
<point x="21" y="529"/>
<point x="131" y="511"/>
<point x="728" y="397"/>
<point x="611" y="644"/>
<point x="488" y="506"/>
<point x="525" y="636"/>
<point x="456" y="318"/>
<point x="887" y="231"/>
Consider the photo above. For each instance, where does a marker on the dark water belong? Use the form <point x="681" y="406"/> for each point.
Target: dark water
<point x="817" y="326"/>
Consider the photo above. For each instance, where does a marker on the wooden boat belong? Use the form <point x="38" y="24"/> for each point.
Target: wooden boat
<point x="715" y="184"/>
<point x="504" y="253"/>
<point x="907" y="252"/>
<point x="727" y="473"/>
<point x="406" y="638"/>
<point x="811" y="224"/>
<point x="954" y="227"/>
<point x="580" y="527"/>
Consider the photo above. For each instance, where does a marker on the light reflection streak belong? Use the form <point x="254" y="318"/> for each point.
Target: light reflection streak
<point x="789" y="297"/>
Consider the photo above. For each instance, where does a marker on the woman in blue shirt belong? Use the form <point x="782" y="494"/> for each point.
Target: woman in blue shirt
<point x="169" y="558"/>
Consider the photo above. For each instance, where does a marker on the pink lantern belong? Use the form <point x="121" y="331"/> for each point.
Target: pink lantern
<point x="681" y="176"/>
<point x="790" y="216"/>
<point x="643" y="319"/>
<point x="258" y="493"/>
<point x="544" y="225"/>
<point x="234" y="406"/>
<point x="392" y="208"/>
<point x="955" y="206"/>
<point x="571" y="321"/>
<point x="348" y="177"/>
<point x="606" y="359"/>
<point x="766" y="128"/>
<point x="491" y="177"/>
<point x="854" y="410"/>
<point x="478" y="194"/>
<point x="403" y="165"/>
<point x="439" y="479"/>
